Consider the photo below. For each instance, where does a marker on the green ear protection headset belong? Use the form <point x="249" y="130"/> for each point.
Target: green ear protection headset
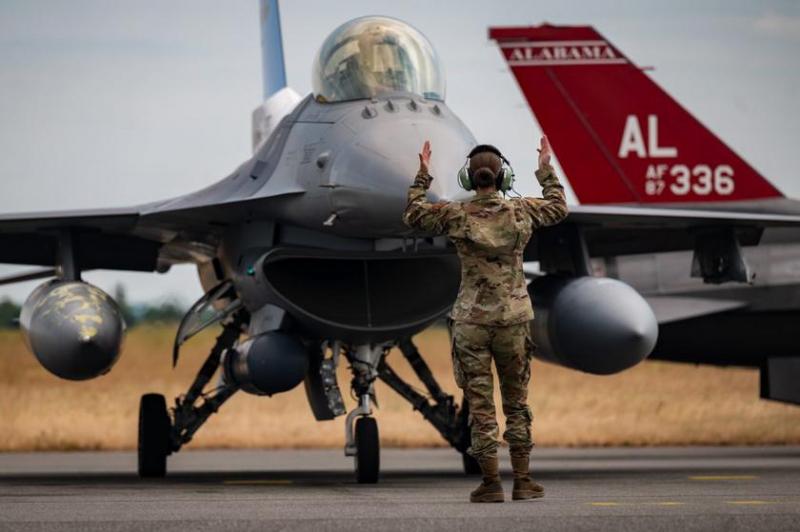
<point x="505" y="177"/>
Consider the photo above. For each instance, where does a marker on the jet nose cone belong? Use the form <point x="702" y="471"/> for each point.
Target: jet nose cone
<point x="369" y="179"/>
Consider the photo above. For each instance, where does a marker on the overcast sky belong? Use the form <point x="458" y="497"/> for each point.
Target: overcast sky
<point x="114" y="102"/>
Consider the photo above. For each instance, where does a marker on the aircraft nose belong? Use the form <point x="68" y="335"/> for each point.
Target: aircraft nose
<point x="369" y="179"/>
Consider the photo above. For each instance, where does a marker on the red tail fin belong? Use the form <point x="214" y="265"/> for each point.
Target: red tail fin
<point x="618" y="136"/>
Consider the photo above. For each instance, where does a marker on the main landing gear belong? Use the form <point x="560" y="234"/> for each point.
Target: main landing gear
<point x="158" y="435"/>
<point x="438" y="407"/>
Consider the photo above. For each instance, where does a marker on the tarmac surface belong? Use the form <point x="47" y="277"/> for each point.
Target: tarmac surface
<point x="698" y="488"/>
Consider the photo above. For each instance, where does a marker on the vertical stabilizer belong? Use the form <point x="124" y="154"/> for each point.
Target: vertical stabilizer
<point x="619" y="137"/>
<point x="273" y="68"/>
<point x="279" y="100"/>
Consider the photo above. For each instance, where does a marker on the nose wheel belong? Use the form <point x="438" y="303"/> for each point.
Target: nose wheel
<point x="361" y="429"/>
<point x="154" y="428"/>
<point x="362" y="442"/>
<point x="368" y="450"/>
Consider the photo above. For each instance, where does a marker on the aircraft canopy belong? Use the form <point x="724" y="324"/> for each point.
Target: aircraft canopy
<point x="370" y="56"/>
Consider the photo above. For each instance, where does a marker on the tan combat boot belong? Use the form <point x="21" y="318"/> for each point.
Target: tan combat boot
<point x="490" y="489"/>
<point x="524" y="487"/>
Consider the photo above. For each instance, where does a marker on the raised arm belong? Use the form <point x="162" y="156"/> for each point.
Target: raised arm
<point x="438" y="218"/>
<point x="551" y="208"/>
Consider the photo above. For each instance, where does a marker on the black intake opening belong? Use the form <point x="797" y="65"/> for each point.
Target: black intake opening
<point x="366" y="292"/>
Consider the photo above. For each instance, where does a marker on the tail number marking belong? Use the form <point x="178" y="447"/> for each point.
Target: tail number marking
<point x="701" y="179"/>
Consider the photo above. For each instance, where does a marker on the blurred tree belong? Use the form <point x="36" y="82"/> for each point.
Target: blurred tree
<point x="124" y="307"/>
<point x="168" y="311"/>
<point x="9" y="314"/>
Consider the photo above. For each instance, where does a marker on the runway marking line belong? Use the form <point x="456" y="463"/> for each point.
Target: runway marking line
<point x="656" y="503"/>
<point x="749" y="503"/>
<point x="258" y="482"/>
<point x="604" y="503"/>
<point x="667" y="503"/>
<point x="723" y="477"/>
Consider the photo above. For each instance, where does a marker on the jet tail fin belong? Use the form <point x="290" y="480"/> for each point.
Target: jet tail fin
<point x="279" y="100"/>
<point x="273" y="67"/>
<point x="619" y="137"/>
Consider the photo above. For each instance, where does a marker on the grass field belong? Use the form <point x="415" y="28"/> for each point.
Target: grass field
<point x="655" y="403"/>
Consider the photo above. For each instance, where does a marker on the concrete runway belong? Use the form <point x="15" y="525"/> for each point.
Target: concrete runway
<point x="683" y="489"/>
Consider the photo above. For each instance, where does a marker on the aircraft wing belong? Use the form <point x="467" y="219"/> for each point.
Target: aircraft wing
<point x="621" y="230"/>
<point x="117" y="239"/>
<point x="668" y="309"/>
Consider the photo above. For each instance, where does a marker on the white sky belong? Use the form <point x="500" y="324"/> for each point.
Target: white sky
<point x="110" y="103"/>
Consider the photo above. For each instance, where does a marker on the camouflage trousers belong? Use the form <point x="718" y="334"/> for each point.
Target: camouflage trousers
<point x="511" y="348"/>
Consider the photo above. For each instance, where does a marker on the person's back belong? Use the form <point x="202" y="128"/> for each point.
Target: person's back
<point x="490" y="233"/>
<point x="492" y="312"/>
<point x="494" y="234"/>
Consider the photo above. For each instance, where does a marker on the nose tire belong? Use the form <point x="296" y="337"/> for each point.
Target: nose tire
<point x="368" y="450"/>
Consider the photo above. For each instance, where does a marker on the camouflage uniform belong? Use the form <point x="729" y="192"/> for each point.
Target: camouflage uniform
<point x="492" y="312"/>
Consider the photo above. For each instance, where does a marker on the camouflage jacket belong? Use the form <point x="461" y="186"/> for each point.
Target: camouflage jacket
<point x="489" y="232"/>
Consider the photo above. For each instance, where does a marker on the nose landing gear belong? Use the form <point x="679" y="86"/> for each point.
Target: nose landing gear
<point x="362" y="439"/>
<point x="363" y="443"/>
<point x="369" y="363"/>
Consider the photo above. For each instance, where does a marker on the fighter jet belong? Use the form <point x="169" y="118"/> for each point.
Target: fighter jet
<point x="305" y="261"/>
<point x="623" y="140"/>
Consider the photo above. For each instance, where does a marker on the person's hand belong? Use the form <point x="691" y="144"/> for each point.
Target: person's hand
<point x="425" y="157"/>
<point x="544" y="152"/>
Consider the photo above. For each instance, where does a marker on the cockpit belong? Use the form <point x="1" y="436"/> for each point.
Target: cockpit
<point x="372" y="56"/>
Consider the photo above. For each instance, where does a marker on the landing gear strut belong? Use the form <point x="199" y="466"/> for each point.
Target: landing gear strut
<point x="160" y="437"/>
<point x="439" y="408"/>
<point x="361" y="429"/>
<point x="471" y="466"/>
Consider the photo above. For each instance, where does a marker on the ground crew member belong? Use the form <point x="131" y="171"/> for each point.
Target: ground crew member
<point x="492" y="312"/>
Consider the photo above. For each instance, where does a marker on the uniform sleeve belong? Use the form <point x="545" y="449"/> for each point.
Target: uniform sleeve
<point x="438" y="218"/>
<point x="552" y="207"/>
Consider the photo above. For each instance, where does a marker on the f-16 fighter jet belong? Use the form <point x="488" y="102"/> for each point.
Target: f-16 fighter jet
<point x="305" y="260"/>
